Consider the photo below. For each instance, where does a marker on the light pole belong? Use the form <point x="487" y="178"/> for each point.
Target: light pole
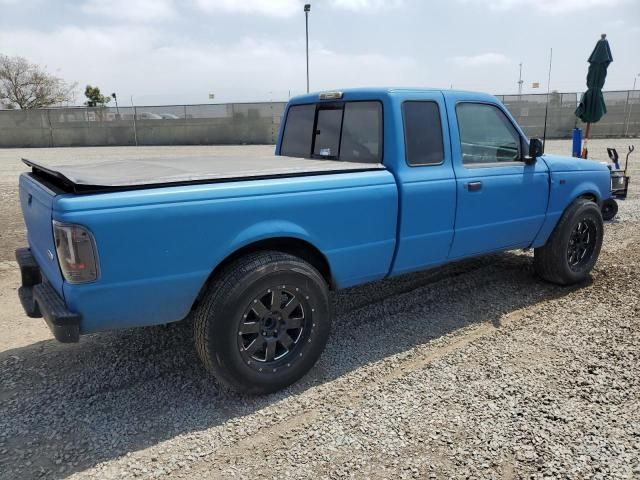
<point x="626" y="129"/>
<point x="115" y="98"/>
<point x="307" y="9"/>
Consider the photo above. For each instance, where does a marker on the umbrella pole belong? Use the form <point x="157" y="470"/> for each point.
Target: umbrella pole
<point x="586" y="137"/>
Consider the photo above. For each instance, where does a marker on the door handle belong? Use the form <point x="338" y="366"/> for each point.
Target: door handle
<point x="474" y="186"/>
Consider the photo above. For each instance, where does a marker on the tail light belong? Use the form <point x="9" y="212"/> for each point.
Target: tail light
<point x="76" y="251"/>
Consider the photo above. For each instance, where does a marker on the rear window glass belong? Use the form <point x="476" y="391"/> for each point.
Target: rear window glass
<point x="346" y="131"/>
<point x="362" y="132"/>
<point x="298" y="131"/>
<point x="328" y="125"/>
<point x="422" y="133"/>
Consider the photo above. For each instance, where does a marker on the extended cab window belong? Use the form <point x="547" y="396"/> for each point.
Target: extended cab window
<point x="422" y="133"/>
<point x="346" y="131"/>
<point x="486" y="135"/>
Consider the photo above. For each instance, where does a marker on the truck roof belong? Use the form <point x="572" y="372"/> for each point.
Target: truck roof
<point x="397" y="92"/>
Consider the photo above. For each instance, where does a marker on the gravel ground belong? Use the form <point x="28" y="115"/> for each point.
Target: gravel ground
<point x="474" y="370"/>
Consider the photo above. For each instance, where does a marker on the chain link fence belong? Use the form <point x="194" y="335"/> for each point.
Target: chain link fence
<point x="258" y="123"/>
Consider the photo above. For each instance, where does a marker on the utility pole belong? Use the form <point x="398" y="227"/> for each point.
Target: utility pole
<point x="546" y="108"/>
<point x="630" y="102"/>
<point x="307" y="9"/>
<point x="520" y="81"/>
<point x="135" y="127"/>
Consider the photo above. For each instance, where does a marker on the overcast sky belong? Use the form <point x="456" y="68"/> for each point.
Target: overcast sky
<point x="170" y="51"/>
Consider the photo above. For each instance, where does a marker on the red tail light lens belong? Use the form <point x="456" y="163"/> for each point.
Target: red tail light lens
<point x="76" y="251"/>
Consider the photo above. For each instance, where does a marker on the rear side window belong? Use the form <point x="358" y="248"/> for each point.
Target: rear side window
<point x="422" y="133"/>
<point x="298" y="131"/>
<point x="346" y="131"/>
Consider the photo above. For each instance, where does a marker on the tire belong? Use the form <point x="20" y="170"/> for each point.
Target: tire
<point x="263" y="322"/>
<point x="609" y="209"/>
<point x="573" y="248"/>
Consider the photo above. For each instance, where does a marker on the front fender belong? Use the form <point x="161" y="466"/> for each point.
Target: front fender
<point x="566" y="187"/>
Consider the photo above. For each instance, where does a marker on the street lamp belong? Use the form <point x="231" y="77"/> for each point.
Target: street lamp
<point x="115" y="98"/>
<point x="307" y="9"/>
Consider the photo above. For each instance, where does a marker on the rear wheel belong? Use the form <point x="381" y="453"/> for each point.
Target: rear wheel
<point x="574" y="246"/>
<point x="263" y="322"/>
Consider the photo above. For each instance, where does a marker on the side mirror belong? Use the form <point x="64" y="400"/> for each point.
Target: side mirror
<point x="535" y="151"/>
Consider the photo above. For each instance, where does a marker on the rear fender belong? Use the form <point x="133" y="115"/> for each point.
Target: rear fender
<point x="265" y="230"/>
<point x="284" y="234"/>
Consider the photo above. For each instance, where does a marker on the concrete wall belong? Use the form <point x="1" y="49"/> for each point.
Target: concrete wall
<point x="258" y="123"/>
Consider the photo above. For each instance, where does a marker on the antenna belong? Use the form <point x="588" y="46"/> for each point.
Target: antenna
<point x="546" y="108"/>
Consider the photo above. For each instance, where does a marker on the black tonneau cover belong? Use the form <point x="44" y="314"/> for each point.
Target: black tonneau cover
<point x="156" y="172"/>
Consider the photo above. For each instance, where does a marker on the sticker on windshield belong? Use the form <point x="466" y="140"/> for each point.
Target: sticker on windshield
<point x="325" y="152"/>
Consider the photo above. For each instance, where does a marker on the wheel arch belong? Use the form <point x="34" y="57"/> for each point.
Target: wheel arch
<point x="552" y="220"/>
<point x="588" y="195"/>
<point x="589" y="190"/>
<point x="287" y="244"/>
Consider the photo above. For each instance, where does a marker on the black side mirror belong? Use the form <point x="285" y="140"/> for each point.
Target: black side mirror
<point x="535" y="150"/>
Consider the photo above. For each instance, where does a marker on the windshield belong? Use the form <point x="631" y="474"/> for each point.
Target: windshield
<point x="347" y="131"/>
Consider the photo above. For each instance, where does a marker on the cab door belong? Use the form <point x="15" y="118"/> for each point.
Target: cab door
<point x="501" y="201"/>
<point x="426" y="183"/>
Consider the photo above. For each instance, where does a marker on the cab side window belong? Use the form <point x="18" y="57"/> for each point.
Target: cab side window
<point x="422" y="133"/>
<point x="486" y="135"/>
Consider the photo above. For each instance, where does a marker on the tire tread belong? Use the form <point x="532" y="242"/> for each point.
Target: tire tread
<point x="548" y="258"/>
<point x="223" y="282"/>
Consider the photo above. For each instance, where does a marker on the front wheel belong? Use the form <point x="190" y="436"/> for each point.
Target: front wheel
<point x="574" y="246"/>
<point x="609" y="209"/>
<point x="264" y="322"/>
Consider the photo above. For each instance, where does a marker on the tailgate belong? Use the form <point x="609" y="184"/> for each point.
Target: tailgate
<point x="36" y="202"/>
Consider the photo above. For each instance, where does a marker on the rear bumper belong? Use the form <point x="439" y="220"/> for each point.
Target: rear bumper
<point x="39" y="299"/>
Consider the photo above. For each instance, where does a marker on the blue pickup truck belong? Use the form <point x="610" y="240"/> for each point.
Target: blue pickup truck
<point x="364" y="184"/>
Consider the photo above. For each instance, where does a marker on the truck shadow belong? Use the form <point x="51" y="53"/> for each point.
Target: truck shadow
<point x="67" y="408"/>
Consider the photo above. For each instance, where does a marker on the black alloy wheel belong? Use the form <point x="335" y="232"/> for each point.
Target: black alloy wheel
<point x="582" y="243"/>
<point x="263" y="321"/>
<point x="273" y="326"/>
<point x="572" y="249"/>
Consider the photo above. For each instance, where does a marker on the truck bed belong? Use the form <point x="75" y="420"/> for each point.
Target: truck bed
<point x="157" y="172"/>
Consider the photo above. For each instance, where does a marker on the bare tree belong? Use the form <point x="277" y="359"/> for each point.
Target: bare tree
<point x="26" y="85"/>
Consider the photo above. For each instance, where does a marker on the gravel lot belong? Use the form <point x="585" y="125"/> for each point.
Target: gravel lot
<point x="474" y="370"/>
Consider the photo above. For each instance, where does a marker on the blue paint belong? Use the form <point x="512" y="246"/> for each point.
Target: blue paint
<point x="37" y="217"/>
<point x="157" y="247"/>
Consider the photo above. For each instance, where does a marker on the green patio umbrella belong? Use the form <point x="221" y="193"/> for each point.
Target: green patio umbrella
<point x="592" y="107"/>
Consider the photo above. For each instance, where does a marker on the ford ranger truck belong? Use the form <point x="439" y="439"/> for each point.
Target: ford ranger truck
<point x="364" y="184"/>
